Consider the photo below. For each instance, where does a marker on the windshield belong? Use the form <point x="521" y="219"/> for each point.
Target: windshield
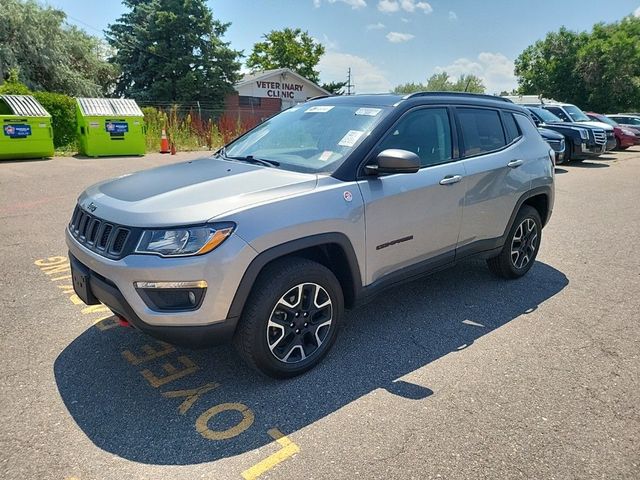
<point x="602" y="118"/>
<point x="576" y="114"/>
<point x="545" y="115"/>
<point x="308" y="138"/>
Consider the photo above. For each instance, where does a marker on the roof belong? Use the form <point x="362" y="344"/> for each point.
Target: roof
<point x="253" y="76"/>
<point x="107" y="107"/>
<point x="25" y="105"/>
<point x="423" y="98"/>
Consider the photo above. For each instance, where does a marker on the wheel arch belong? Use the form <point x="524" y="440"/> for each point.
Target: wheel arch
<point x="333" y="250"/>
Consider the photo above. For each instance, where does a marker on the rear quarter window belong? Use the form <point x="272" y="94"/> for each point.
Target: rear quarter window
<point x="511" y="127"/>
<point x="482" y="130"/>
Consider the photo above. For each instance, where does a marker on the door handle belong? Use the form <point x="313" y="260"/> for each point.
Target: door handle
<point x="449" y="179"/>
<point x="515" y="163"/>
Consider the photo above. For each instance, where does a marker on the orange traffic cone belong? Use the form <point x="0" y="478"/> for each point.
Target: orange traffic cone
<point x="164" y="142"/>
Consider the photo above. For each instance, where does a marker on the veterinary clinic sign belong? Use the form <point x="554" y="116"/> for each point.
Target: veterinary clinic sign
<point x="278" y="89"/>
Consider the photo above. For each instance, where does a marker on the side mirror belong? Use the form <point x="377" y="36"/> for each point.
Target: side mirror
<point x="394" y="160"/>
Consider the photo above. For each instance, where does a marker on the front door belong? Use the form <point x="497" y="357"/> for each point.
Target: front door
<point x="415" y="218"/>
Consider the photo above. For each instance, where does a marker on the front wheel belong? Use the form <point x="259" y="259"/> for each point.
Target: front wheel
<point x="521" y="247"/>
<point x="291" y="318"/>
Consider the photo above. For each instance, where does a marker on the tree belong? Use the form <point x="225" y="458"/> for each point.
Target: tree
<point x="597" y="70"/>
<point x="172" y="50"/>
<point x="335" y="88"/>
<point x="50" y="54"/>
<point x="468" y="83"/>
<point x="441" y="82"/>
<point x="288" y="48"/>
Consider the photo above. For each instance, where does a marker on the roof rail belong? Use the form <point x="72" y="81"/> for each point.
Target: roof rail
<point x="461" y="94"/>
<point x="318" y="97"/>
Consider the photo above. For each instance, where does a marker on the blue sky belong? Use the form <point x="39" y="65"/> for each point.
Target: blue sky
<point x="387" y="42"/>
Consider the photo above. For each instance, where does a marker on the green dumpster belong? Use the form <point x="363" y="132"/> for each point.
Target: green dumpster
<point x="26" y="128"/>
<point x="109" y="127"/>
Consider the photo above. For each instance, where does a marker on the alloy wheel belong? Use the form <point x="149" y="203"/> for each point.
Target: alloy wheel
<point x="524" y="243"/>
<point x="299" y="323"/>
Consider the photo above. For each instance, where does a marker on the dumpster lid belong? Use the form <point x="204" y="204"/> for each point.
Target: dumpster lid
<point x="25" y="105"/>
<point x="106" y="107"/>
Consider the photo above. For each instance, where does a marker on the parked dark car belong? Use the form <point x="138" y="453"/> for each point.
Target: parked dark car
<point x="556" y="141"/>
<point x="582" y="141"/>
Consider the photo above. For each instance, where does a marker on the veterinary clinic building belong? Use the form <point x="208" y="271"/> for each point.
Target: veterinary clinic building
<point x="262" y="94"/>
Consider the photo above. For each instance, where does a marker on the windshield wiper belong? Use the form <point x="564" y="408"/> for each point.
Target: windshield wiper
<point x="255" y="160"/>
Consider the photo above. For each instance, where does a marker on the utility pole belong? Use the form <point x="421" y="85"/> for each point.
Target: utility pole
<point x="349" y="84"/>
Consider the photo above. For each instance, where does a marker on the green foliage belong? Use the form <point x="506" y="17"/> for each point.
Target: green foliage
<point x="288" y="48"/>
<point x="13" y="86"/>
<point x="51" y="54"/>
<point x="189" y="132"/>
<point x="172" y="50"/>
<point x="335" y="88"/>
<point x="441" y="82"/>
<point x="597" y="70"/>
<point x="63" y="117"/>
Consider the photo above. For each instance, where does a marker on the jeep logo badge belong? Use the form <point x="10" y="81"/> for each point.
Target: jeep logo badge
<point x="92" y="207"/>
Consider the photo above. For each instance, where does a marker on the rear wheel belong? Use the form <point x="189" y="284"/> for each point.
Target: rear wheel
<point x="291" y="318"/>
<point x="521" y="247"/>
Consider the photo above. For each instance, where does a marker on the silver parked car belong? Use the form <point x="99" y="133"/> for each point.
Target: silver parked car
<point x="315" y="210"/>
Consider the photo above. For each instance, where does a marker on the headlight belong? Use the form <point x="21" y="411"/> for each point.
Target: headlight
<point x="628" y="132"/>
<point x="583" y="133"/>
<point x="181" y="242"/>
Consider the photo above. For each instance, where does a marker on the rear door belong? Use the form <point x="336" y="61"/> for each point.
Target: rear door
<point x="413" y="220"/>
<point x="496" y="174"/>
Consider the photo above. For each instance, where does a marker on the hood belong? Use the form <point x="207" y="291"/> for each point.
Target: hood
<point x="604" y="126"/>
<point x="550" y="134"/>
<point x="190" y="192"/>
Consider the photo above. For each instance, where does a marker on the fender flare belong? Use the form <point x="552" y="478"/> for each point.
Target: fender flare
<point x="279" y="251"/>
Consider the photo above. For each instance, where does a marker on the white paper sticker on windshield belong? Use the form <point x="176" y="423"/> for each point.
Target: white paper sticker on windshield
<point x="369" y="112"/>
<point x="350" y="139"/>
<point x="325" y="156"/>
<point x="319" y="109"/>
<point x="291" y="110"/>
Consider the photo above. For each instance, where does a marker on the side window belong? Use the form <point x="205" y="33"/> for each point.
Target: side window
<point x="560" y="113"/>
<point x="425" y="132"/>
<point x="511" y="127"/>
<point x="481" y="130"/>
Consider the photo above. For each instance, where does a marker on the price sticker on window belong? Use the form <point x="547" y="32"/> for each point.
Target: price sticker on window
<point x="368" y="112"/>
<point x="319" y="109"/>
<point x="350" y="139"/>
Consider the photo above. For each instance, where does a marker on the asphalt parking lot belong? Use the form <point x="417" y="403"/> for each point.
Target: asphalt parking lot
<point x="459" y="375"/>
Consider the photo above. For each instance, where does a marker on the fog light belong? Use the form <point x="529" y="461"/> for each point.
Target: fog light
<point x="172" y="296"/>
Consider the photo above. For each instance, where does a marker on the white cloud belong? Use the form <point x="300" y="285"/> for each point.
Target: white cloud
<point x="392" y="6"/>
<point x="388" y="6"/>
<point x="495" y="70"/>
<point x="355" y="4"/>
<point x="637" y="12"/>
<point x="366" y="76"/>
<point x="376" y="26"/>
<point x="397" y="37"/>
<point x="453" y="16"/>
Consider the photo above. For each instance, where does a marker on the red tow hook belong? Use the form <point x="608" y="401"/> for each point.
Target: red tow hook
<point x="123" y="322"/>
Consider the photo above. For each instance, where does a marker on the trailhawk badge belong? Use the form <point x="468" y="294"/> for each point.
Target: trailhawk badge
<point x="347" y="196"/>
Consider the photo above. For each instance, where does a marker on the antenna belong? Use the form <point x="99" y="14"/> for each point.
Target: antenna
<point x="349" y="85"/>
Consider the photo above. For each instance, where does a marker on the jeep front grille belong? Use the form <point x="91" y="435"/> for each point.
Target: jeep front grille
<point x="105" y="238"/>
<point x="600" y="136"/>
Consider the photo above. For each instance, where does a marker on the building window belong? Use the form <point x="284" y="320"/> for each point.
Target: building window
<point x="252" y="102"/>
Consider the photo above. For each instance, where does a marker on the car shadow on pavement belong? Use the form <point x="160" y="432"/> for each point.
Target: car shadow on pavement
<point x="586" y="164"/>
<point x="404" y="329"/>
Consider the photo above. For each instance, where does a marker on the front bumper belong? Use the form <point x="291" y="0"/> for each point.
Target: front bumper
<point x="112" y="283"/>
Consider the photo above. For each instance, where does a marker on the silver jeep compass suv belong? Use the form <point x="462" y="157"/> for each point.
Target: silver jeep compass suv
<point x="318" y="208"/>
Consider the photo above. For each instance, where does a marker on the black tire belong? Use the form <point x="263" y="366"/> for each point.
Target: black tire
<point x="504" y="264"/>
<point x="264" y="317"/>
<point x="568" y="151"/>
<point x="617" y="147"/>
